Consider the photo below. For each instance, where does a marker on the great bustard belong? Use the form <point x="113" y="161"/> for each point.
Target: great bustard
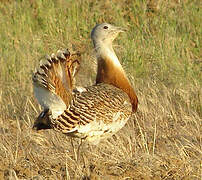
<point x="94" y="112"/>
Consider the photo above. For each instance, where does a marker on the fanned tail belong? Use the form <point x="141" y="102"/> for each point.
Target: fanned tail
<point x="54" y="80"/>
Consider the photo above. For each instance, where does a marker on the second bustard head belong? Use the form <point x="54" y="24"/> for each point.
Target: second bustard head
<point x="97" y="111"/>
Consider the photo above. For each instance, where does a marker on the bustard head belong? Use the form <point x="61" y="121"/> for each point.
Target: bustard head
<point x="104" y="34"/>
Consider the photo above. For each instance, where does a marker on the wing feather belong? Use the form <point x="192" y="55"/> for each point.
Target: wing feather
<point x="54" y="80"/>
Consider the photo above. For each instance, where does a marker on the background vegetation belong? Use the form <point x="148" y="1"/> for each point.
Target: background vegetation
<point x="161" y="54"/>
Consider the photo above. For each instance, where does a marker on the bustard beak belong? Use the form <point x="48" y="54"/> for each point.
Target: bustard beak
<point x="115" y="31"/>
<point x="120" y="29"/>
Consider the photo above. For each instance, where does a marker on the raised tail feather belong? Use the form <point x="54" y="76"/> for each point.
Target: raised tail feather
<point x="54" y="80"/>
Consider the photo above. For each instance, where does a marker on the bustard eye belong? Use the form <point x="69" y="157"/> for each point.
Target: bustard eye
<point x="105" y="27"/>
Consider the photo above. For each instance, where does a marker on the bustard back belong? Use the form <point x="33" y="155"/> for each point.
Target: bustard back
<point x="95" y="112"/>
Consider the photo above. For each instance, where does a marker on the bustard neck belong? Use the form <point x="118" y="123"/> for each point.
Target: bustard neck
<point x="111" y="72"/>
<point x="105" y="51"/>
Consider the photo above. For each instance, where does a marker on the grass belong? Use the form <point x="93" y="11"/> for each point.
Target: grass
<point x="161" y="54"/>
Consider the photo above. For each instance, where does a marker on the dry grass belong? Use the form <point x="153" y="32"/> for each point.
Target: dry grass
<point x="161" y="54"/>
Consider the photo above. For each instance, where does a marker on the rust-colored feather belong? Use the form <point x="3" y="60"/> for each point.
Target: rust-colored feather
<point x="57" y="74"/>
<point x="110" y="74"/>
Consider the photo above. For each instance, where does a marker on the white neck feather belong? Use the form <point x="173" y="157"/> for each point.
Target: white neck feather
<point x="105" y="50"/>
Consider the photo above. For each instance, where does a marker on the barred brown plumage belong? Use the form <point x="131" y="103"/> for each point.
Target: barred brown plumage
<point x="95" y="112"/>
